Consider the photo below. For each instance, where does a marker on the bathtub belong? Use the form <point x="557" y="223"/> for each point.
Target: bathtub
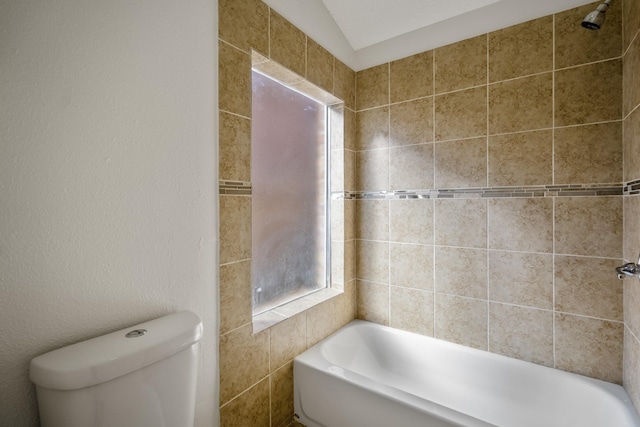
<point x="368" y="375"/>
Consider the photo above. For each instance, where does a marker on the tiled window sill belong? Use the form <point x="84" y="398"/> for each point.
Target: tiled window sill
<point x="276" y="315"/>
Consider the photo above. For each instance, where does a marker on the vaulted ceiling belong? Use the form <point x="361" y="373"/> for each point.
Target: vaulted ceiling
<point x="364" y="33"/>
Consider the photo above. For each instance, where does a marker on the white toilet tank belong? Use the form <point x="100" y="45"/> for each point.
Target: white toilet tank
<point x="142" y="376"/>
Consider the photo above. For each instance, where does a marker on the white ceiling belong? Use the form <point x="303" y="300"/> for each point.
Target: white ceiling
<point x="367" y="22"/>
<point x="365" y="33"/>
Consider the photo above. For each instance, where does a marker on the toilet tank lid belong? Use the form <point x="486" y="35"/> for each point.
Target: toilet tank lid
<point x="109" y="356"/>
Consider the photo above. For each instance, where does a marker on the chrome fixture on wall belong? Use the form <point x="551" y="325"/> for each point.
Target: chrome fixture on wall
<point x="595" y="19"/>
<point x="631" y="269"/>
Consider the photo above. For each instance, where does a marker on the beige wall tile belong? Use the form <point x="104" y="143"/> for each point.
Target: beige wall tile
<point x="461" y="114"/>
<point x="461" y="271"/>
<point x="287" y="339"/>
<point x="373" y="261"/>
<point x="461" y="320"/>
<point x="588" y="286"/>
<point x="411" y="167"/>
<point x="282" y="396"/>
<point x="411" y="221"/>
<point x="411" y="310"/>
<point x="349" y="170"/>
<point x="412" y="122"/>
<point x="372" y="221"/>
<point x="372" y="87"/>
<point x="337" y="168"/>
<point x="506" y="48"/>
<point x="631" y="21"/>
<point x="337" y="219"/>
<point x="244" y="24"/>
<point x="461" y="65"/>
<point x="462" y="163"/>
<point x="319" y="66"/>
<point x="372" y="170"/>
<point x="372" y="128"/>
<point x="235" y="295"/>
<point x="288" y="44"/>
<point x="521" y="224"/>
<point x="631" y="216"/>
<point x="324" y="319"/>
<point x="411" y="77"/>
<point x="337" y="263"/>
<point x="411" y="266"/>
<point x="521" y="104"/>
<point x="632" y="304"/>
<point x="520" y="332"/>
<point x="350" y="253"/>
<point x="521" y="278"/>
<point x="631" y="146"/>
<point x="235" y="228"/>
<point x="521" y="159"/>
<point x="461" y="222"/>
<point x="590" y="226"/>
<point x="244" y="360"/>
<point x="347" y="303"/>
<point x="350" y="132"/>
<point x="576" y="45"/>
<point x="234" y="148"/>
<point x="234" y="80"/>
<point x="590" y="347"/>
<point x="588" y="154"/>
<point x="589" y="93"/>
<point x="344" y="84"/>
<point x="349" y="219"/>
<point x="631" y="367"/>
<point x="250" y="408"/>
<point x="631" y="90"/>
<point x="373" y="302"/>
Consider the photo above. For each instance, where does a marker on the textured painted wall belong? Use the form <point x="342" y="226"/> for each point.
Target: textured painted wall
<point x="513" y="141"/>
<point x="108" y="174"/>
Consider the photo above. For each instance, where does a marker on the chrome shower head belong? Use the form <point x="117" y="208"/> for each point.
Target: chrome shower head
<point x="595" y="19"/>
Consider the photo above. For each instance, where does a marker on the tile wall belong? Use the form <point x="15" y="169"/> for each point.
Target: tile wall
<point x="490" y="191"/>
<point x="256" y="374"/>
<point x="631" y="132"/>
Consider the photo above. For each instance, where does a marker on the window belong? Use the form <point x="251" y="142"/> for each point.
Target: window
<point x="290" y="194"/>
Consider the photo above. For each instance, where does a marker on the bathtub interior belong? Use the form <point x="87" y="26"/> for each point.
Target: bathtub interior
<point x="495" y="389"/>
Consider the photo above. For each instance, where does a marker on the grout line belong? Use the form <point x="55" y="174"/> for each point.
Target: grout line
<point x="553" y="180"/>
<point x="234" y="46"/>
<point x="631" y="112"/>
<point x="234" y="262"/>
<point x="435" y="246"/>
<point x="269" y="31"/>
<point x="233" y="114"/>
<point x="631" y="332"/>
<point x="633" y="39"/>
<point x="488" y="290"/>
<point x="389" y="186"/>
<point x="433" y="123"/>
<point x="246" y="390"/>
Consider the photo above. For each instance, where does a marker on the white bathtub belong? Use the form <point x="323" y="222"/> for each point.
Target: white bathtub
<point x="368" y="375"/>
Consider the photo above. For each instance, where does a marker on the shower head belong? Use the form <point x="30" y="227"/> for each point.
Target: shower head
<point x="595" y="19"/>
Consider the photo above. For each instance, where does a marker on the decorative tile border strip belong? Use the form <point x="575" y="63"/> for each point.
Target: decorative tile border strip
<point x="343" y="195"/>
<point x="572" y="190"/>
<point x="632" y="188"/>
<point x="236" y="188"/>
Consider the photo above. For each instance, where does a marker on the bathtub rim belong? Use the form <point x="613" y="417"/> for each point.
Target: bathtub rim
<point x="315" y="359"/>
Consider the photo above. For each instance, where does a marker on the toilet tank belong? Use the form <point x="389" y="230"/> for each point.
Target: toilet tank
<point x="142" y="376"/>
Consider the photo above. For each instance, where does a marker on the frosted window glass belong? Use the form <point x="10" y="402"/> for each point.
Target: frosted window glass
<point x="289" y="194"/>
